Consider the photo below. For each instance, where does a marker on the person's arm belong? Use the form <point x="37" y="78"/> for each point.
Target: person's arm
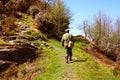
<point x="71" y="37"/>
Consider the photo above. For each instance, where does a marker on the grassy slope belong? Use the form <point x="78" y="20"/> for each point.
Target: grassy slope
<point x="83" y="66"/>
<point x="3" y="42"/>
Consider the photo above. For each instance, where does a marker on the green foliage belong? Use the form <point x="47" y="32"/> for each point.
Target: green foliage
<point x="28" y="21"/>
<point x="56" y="19"/>
<point x="83" y="65"/>
<point x="52" y="18"/>
<point x="3" y="42"/>
<point x="32" y="35"/>
<point x="60" y="17"/>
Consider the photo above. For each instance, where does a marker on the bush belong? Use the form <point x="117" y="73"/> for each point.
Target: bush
<point x="3" y="42"/>
<point x="32" y="35"/>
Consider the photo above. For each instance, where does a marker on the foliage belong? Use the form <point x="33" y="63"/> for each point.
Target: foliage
<point x="104" y="33"/>
<point x="52" y="16"/>
<point x="31" y="29"/>
<point x="3" y="42"/>
<point x="60" y="17"/>
<point x="7" y="24"/>
<point x="32" y="35"/>
<point x="56" y="20"/>
<point x="117" y="30"/>
<point x="29" y="22"/>
<point x="8" y="16"/>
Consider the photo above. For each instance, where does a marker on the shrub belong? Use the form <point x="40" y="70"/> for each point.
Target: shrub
<point x="32" y="35"/>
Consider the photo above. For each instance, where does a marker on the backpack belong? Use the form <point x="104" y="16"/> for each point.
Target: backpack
<point x="70" y="44"/>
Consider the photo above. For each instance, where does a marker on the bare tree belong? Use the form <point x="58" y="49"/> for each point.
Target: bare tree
<point x="85" y="27"/>
<point x="118" y="29"/>
<point x="104" y="34"/>
<point x="102" y="28"/>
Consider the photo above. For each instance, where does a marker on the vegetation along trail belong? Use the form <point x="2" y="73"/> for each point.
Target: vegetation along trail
<point x="33" y="22"/>
<point x="82" y="67"/>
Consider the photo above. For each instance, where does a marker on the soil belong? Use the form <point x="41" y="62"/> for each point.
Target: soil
<point x="11" y="58"/>
<point x="99" y="55"/>
<point x="101" y="58"/>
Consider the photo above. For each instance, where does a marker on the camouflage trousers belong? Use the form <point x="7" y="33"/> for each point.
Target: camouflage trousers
<point x="68" y="52"/>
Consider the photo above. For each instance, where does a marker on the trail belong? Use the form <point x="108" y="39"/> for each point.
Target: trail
<point x="67" y="67"/>
<point x="82" y="67"/>
<point x="70" y="67"/>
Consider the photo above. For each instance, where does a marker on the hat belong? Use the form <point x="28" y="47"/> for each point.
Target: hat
<point x="66" y="30"/>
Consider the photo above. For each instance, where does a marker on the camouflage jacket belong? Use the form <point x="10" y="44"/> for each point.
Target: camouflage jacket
<point x="66" y="38"/>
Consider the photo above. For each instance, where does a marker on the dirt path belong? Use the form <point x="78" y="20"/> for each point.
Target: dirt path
<point x="70" y="75"/>
<point x="67" y="67"/>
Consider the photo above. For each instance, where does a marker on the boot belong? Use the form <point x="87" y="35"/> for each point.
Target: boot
<point x="70" y="58"/>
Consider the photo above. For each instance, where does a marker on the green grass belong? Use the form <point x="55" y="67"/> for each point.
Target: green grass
<point x="53" y="65"/>
<point x="83" y="66"/>
<point x="89" y="69"/>
<point x="3" y="42"/>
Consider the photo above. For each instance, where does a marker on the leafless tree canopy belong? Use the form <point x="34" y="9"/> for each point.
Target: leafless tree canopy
<point x="104" y="32"/>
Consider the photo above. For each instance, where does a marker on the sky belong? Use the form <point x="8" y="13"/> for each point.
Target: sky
<point x="86" y="9"/>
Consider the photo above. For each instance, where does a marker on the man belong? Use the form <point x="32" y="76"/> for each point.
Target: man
<point x="66" y="38"/>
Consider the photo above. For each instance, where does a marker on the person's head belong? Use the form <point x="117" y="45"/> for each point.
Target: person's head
<point x="67" y="30"/>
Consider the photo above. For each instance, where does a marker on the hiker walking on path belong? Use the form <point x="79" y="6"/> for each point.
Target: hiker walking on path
<point x="67" y="43"/>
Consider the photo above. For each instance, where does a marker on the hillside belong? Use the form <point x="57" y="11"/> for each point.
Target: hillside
<point x="50" y="65"/>
<point x="47" y="16"/>
<point x="30" y="47"/>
